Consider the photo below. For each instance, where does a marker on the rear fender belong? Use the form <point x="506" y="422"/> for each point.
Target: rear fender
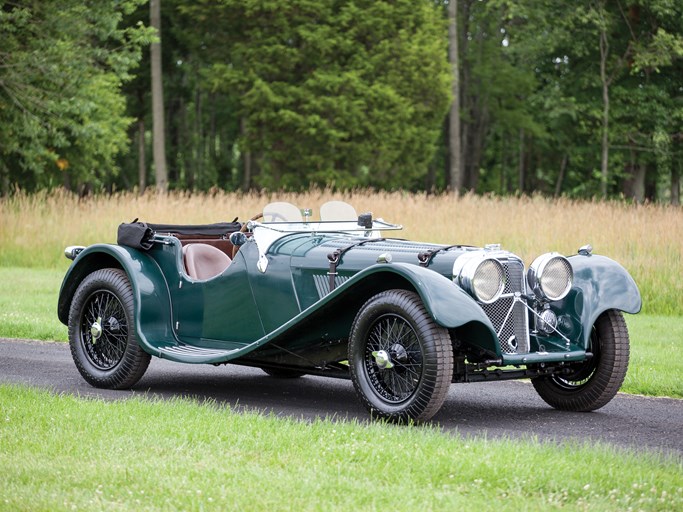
<point x="150" y="290"/>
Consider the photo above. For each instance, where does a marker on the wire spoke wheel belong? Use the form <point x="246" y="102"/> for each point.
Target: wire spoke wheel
<point x="591" y="384"/>
<point x="393" y="335"/>
<point x="104" y="330"/>
<point x="400" y="359"/>
<point x="582" y="372"/>
<point x="103" y="341"/>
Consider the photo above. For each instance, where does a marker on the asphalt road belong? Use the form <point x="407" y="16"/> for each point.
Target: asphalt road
<point x="498" y="409"/>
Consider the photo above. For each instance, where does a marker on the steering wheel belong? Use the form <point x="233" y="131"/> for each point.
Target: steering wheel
<point x="277" y="217"/>
<point x="244" y="229"/>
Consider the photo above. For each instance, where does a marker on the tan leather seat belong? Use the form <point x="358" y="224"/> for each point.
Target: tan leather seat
<point x="337" y="210"/>
<point x="281" y="212"/>
<point x="203" y="261"/>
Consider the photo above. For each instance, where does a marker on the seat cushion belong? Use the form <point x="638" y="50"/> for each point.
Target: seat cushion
<point x="337" y="210"/>
<point x="203" y="261"/>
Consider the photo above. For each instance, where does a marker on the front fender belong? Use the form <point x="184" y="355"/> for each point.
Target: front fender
<point x="447" y="303"/>
<point x="603" y="285"/>
<point x="153" y="312"/>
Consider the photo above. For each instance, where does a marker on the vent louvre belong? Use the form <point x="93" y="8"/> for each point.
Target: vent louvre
<point x="322" y="283"/>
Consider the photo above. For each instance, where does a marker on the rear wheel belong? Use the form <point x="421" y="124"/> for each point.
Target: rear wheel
<point x="102" y="333"/>
<point x="400" y="359"/>
<point x="594" y="382"/>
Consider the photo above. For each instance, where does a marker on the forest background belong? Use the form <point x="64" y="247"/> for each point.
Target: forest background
<point x="579" y="99"/>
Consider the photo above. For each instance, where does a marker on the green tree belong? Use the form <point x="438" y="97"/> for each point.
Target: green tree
<point x="62" y="116"/>
<point x="345" y="93"/>
<point x="593" y="88"/>
<point x="649" y="111"/>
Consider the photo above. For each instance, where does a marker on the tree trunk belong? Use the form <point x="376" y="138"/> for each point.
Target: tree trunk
<point x="246" y="176"/>
<point x="430" y="179"/>
<point x="4" y="179"/>
<point x="638" y="187"/>
<point x="676" y="183"/>
<point x="604" y="164"/>
<point x="66" y="180"/>
<point x="466" y="103"/>
<point x="142" y="164"/>
<point x="520" y="181"/>
<point x="502" y="190"/>
<point x="198" y="161"/>
<point x="437" y="161"/>
<point x="627" y="185"/>
<point x="158" y="125"/>
<point x="447" y="157"/>
<point x="172" y="139"/>
<point x="560" y="176"/>
<point x="454" y="144"/>
<point x="477" y="149"/>
<point x="185" y="158"/>
<point x="212" y="129"/>
<point x="650" y="179"/>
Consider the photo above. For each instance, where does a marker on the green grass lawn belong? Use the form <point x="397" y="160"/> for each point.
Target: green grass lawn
<point x="28" y="309"/>
<point x="64" y="453"/>
<point x="28" y="303"/>
<point x="655" y="368"/>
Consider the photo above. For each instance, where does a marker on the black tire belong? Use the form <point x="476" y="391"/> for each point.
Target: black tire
<point x="594" y="382"/>
<point x="102" y="335"/>
<point x="396" y="324"/>
<point x="283" y="373"/>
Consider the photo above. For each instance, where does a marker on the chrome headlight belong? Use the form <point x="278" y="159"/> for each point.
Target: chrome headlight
<point x="481" y="276"/>
<point x="72" y="251"/>
<point x="550" y="276"/>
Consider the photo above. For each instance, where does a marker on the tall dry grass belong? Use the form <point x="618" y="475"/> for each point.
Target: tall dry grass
<point x="646" y="239"/>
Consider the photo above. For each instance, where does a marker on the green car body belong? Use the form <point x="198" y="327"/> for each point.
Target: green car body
<point x="289" y="298"/>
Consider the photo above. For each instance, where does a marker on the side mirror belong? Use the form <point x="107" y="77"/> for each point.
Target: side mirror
<point x="238" y="238"/>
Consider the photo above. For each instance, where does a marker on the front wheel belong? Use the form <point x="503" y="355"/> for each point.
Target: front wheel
<point x="102" y="333"/>
<point x="400" y="359"/>
<point x="594" y="382"/>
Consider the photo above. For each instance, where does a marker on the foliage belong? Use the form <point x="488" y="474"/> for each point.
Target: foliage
<point x="558" y="44"/>
<point x="345" y="93"/>
<point x="61" y="67"/>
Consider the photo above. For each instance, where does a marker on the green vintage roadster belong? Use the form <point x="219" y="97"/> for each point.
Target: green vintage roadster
<point x="341" y="297"/>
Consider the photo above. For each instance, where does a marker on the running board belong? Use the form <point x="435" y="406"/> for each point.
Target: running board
<point x="197" y="355"/>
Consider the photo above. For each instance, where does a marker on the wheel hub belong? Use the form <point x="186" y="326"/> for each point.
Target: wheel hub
<point x="96" y="329"/>
<point x="383" y="359"/>
<point x="113" y="324"/>
<point x="399" y="353"/>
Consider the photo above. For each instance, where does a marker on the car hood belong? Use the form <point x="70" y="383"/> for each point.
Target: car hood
<point x="356" y="253"/>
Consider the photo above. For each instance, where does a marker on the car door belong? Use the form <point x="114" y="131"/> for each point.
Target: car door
<point x="217" y="312"/>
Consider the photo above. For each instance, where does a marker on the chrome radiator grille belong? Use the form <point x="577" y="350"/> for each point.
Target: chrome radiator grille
<point x="513" y="332"/>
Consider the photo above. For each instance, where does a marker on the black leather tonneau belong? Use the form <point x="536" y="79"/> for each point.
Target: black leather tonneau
<point x="220" y="228"/>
